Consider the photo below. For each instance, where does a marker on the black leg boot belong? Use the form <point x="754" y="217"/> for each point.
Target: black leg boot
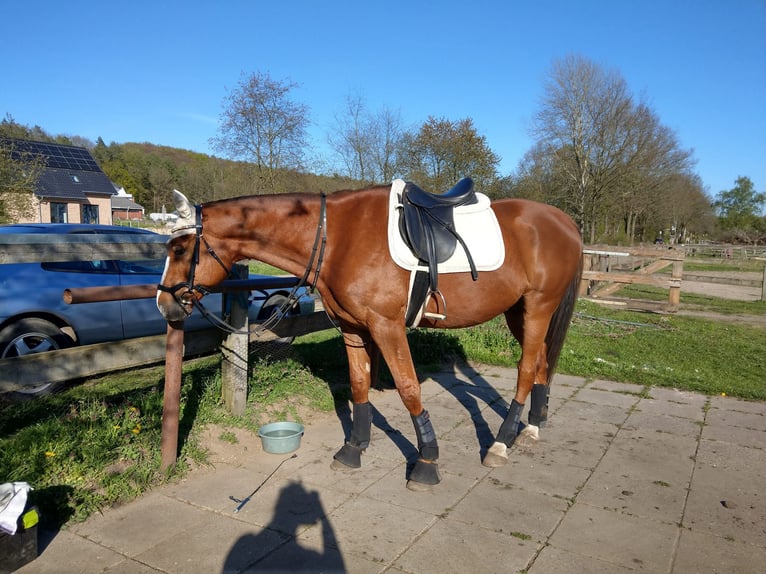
<point x="350" y="454"/>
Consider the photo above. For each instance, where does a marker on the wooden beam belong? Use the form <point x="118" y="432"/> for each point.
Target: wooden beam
<point x="38" y="247"/>
<point x="102" y="358"/>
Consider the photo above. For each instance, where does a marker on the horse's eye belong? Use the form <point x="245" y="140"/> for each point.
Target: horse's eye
<point x="178" y="250"/>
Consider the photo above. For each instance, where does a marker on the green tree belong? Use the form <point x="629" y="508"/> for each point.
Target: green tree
<point x="442" y="152"/>
<point x="19" y="172"/>
<point x="739" y="211"/>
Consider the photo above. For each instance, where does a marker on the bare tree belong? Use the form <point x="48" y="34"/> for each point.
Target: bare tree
<point x="367" y="143"/>
<point x="612" y="153"/>
<point x="261" y="124"/>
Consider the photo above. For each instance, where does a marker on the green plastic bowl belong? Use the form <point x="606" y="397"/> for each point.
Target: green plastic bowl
<point x="281" y="437"/>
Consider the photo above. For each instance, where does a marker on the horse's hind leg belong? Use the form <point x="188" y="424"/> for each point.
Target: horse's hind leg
<point x="530" y="328"/>
<point x="363" y="361"/>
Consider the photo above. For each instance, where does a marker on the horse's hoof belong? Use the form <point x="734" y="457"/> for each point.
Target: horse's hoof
<point x="338" y="465"/>
<point x="496" y="456"/>
<point x="424" y="475"/>
<point x="419" y="486"/>
<point x="347" y="457"/>
<point x="531" y="432"/>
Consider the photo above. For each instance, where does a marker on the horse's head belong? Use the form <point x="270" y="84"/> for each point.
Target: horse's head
<point x="192" y="266"/>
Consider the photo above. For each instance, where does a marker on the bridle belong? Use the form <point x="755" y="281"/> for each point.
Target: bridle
<point x="190" y="288"/>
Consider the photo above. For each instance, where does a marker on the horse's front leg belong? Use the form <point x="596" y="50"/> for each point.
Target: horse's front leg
<point x="392" y="340"/>
<point x="363" y="362"/>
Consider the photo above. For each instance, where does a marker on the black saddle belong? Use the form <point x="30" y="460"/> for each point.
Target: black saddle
<point x="427" y="225"/>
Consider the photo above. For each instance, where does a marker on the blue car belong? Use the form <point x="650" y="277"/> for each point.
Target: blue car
<point x="34" y="317"/>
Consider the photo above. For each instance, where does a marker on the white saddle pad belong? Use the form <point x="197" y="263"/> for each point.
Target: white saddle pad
<point x="475" y="223"/>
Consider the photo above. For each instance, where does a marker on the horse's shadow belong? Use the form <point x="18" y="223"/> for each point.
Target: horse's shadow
<point x="295" y="509"/>
<point x="465" y="384"/>
<point x="471" y="390"/>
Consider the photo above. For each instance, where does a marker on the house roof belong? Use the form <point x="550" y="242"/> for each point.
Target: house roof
<point x="71" y="172"/>
<point x="125" y="202"/>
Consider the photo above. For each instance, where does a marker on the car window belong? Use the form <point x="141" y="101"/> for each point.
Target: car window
<point x="142" y="266"/>
<point x="98" y="266"/>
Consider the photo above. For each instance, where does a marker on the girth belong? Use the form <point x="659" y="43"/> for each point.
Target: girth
<point x="427" y="225"/>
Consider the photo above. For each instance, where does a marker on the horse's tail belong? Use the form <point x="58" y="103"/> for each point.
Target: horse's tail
<point x="557" y="330"/>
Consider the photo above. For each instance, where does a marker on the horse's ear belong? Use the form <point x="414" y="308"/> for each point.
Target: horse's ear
<point x="183" y="205"/>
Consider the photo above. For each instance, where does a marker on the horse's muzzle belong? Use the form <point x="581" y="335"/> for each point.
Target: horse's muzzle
<point x="175" y="307"/>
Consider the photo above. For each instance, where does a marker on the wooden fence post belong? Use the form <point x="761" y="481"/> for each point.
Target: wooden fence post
<point x="586" y="266"/>
<point x="674" y="295"/>
<point x="171" y="400"/>
<point x="763" y="285"/>
<point x="234" y="348"/>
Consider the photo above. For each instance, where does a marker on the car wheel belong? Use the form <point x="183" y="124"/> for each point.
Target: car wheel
<point x="31" y="336"/>
<point x="277" y="347"/>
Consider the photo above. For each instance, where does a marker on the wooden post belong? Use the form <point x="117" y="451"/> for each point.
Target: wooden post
<point x="234" y="348"/>
<point x="585" y="283"/>
<point x="763" y="285"/>
<point x="674" y="295"/>
<point x="171" y="400"/>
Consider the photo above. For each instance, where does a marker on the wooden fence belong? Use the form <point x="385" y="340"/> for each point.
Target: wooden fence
<point x="92" y="360"/>
<point x="606" y="271"/>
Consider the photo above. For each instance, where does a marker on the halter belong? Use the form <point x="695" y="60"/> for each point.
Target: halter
<point x="320" y="241"/>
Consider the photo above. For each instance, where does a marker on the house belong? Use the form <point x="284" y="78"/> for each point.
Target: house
<point x="72" y="188"/>
<point x="124" y="208"/>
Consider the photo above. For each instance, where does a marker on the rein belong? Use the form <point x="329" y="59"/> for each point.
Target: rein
<point x="320" y="240"/>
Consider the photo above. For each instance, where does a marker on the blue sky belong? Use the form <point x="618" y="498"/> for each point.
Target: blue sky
<point x="158" y="71"/>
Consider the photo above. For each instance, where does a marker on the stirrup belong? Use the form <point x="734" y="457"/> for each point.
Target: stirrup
<point x="436" y="316"/>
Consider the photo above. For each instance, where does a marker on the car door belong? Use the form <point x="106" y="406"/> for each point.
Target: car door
<point x="140" y="317"/>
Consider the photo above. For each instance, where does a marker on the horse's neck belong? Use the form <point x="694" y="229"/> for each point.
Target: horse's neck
<point x="279" y="230"/>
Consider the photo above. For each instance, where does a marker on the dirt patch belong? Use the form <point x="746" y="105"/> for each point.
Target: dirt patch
<point x="714" y="288"/>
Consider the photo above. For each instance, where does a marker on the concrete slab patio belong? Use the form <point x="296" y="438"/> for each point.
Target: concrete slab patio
<point x="623" y="479"/>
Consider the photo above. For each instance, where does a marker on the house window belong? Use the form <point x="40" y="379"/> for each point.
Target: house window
<point x="89" y="213"/>
<point x="59" y="213"/>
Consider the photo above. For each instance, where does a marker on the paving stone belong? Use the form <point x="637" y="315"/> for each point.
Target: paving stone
<point x="372" y="530"/>
<point x="649" y="421"/>
<point x="589" y="411"/>
<point x="507" y="508"/>
<point x="126" y="529"/>
<point x="453" y="546"/>
<point x="676" y="403"/>
<point x="614" y="387"/>
<point x="69" y="553"/>
<point x="624" y="401"/>
<point x="709" y="554"/>
<point x="629" y="541"/>
<point x="738" y="405"/>
<point x="235" y="546"/>
<point x="727" y="495"/>
<point x="556" y="561"/>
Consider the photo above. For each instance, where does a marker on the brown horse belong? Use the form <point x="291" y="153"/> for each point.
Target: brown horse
<point x="341" y="241"/>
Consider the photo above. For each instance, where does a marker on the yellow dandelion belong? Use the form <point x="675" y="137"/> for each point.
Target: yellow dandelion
<point x="136" y="429"/>
<point x="49" y="453"/>
<point x="723" y="394"/>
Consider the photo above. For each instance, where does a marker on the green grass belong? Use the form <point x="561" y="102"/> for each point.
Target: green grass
<point x="98" y="443"/>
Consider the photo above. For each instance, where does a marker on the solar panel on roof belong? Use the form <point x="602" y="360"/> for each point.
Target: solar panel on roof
<point x="60" y="156"/>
